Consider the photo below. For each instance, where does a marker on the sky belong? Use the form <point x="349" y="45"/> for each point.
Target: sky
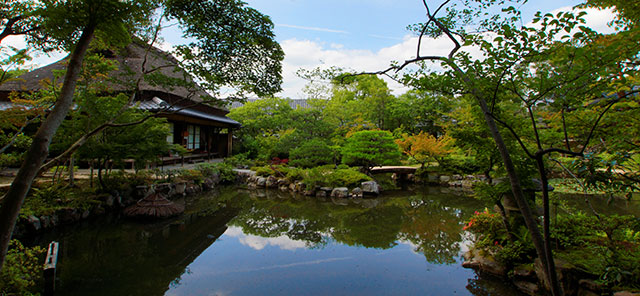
<point x="359" y="35"/>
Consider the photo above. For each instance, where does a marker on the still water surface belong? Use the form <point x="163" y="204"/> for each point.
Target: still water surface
<point x="236" y="242"/>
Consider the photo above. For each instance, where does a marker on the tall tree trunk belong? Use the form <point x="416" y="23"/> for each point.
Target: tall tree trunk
<point x="546" y="214"/>
<point x="518" y="194"/>
<point x="39" y="149"/>
<point x="516" y="186"/>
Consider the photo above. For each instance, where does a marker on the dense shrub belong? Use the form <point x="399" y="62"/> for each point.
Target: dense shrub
<point x="370" y="148"/>
<point x="21" y="270"/>
<point x="325" y="175"/>
<point x="459" y="165"/>
<point x="224" y="170"/>
<point x="312" y="153"/>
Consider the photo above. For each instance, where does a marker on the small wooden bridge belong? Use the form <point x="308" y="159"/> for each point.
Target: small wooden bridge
<point x="404" y="170"/>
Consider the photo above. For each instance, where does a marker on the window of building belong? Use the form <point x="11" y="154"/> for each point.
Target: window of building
<point x="170" y="135"/>
<point x="193" y="141"/>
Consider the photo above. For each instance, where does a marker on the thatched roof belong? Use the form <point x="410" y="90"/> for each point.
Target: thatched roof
<point x="130" y="67"/>
<point x="154" y="205"/>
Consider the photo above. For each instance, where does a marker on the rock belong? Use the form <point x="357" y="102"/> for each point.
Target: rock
<point x="445" y="179"/>
<point x="525" y="272"/>
<point x="326" y="189"/>
<point x="433" y="178"/>
<point x="321" y="193"/>
<point x="283" y="182"/>
<point x="34" y="223"/>
<point x="488" y="265"/>
<point x="292" y="187"/>
<point x="272" y="182"/>
<point x="455" y="183"/>
<point x="68" y="215"/>
<point x="309" y="192"/>
<point x="457" y="177"/>
<point x="208" y="184"/>
<point x="193" y="189"/>
<point x="467" y="183"/>
<point x="85" y="214"/>
<point x="45" y="221"/>
<point x="180" y="188"/>
<point x="261" y="182"/>
<point x="252" y="186"/>
<point x="527" y="287"/>
<point x="340" y="192"/>
<point x="284" y="188"/>
<point x="370" y="187"/>
<point x="356" y="192"/>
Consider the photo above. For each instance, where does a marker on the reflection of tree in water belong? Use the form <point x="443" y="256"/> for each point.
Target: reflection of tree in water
<point x="432" y="223"/>
<point x="434" y="229"/>
<point x="489" y="286"/>
<point x="373" y="228"/>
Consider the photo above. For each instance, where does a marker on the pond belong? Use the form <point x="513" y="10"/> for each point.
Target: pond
<point x="238" y="242"/>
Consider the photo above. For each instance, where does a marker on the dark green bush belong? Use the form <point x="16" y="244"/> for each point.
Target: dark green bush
<point x="312" y="153"/>
<point x="459" y="165"/>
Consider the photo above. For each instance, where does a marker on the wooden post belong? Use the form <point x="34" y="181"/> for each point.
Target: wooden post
<point x="50" y="269"/>
<point x="229" y="141"/>
<point x="71" y="172"/>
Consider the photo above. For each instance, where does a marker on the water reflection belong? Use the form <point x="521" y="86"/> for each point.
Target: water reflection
<point x="271" y="243"/>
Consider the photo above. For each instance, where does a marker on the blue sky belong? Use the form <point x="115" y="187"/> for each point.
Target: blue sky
<point x="361" y="35"/>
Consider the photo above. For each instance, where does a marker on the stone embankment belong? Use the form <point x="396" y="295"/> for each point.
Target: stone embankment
<point x="109" y="202"/>
<point x="527" y="277"/>
<point x="253" y="181"/>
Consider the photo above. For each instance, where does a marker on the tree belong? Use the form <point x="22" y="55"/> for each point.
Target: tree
<point x="557" y="66"/>
<point x="311" y="154"/>
<point x="369" y="149"/>
<point x="424" y="147"/>
<point x="234" y="45"/>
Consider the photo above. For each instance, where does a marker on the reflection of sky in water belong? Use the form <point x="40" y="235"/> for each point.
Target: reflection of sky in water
<point x="241" y="264"/>
<point x="258" y="242"/>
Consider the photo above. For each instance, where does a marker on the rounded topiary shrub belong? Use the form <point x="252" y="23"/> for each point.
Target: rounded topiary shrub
<point x="312" y="153"/>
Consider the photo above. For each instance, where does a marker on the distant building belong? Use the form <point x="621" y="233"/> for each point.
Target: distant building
<point x="295" y="104"/>
<point x="195" y="125"/>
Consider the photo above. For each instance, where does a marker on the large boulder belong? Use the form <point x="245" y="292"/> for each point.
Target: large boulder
<point x="370" y="188"/>
<point x="261" y="181"/>
<point x="340" y="192"/>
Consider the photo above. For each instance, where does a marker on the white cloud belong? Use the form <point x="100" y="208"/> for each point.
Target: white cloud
<point x="258" y="243"/>
<point x="307" y="54"/>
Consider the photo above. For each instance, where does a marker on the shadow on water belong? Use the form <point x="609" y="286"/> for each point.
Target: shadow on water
<point x="275" y="243"/>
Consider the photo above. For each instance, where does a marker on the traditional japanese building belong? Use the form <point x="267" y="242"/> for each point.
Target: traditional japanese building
<point x="195" y="123"/>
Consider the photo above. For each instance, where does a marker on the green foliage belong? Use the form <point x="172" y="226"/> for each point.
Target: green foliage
<point x="330" y="177"/>
<point x="312" y="153"/>
<point x="235" y="45"/>
<point x="492" y="237"/>
<point x="196" y="176"/>
<point x="607" y="247"/>
<point x="326" y="175"/>
<point x="122" y="181"/>
<point x="370" y="148"/>
<point x="224" y="170"/>
<point x="21" y="270"/>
